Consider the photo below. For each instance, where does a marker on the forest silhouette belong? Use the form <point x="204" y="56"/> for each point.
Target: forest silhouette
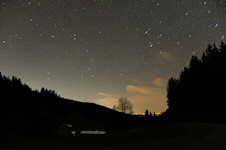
<point x="199" y="93"/>
<point x="197" y="96"/>
<point x="24" y="111"/>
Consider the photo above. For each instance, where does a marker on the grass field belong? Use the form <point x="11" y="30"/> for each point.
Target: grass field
<point x="153" y="137"/>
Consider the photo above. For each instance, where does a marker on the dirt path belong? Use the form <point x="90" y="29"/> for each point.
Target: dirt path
<point x="214" y="141"/>
<point x="198" y="136"/>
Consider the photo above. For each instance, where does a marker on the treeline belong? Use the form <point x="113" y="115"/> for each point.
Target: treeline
<point x="200" y="92"/>
<point x="24" y="111"/>
<point x="17" y="96"/>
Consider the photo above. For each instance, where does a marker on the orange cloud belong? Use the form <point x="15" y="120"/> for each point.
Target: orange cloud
<point x="167" y="57"/>
<point x="138" y="89"/>
<point x="104" y="94"/>
<point x="107" y="101"/>
<point x="143" y="97"/>
<point x="159" y="82"/>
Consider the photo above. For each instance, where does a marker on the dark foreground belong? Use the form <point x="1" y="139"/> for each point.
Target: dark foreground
<point x="153" y="137"/>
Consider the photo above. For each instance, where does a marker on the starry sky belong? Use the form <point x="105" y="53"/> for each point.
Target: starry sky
<point x="99" y="50"/>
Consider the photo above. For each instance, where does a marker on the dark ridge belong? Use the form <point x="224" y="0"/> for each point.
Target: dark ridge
<point x="24" y="111"/>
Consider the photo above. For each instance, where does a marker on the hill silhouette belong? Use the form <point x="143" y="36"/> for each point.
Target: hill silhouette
<point x="28" y="112"/>
<point x="199" y="93"/>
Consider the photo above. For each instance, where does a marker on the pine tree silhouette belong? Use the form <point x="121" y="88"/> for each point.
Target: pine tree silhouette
<point x="198" y="94"/>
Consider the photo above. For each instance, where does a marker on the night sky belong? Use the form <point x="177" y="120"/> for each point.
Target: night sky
<point x="99" y="50"/>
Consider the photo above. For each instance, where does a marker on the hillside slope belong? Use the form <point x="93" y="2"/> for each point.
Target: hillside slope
<point x="24" y="111"/>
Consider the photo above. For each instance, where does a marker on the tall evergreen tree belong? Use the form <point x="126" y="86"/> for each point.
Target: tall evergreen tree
<point x="201" y="86"/>
<point x="146" y="113"/>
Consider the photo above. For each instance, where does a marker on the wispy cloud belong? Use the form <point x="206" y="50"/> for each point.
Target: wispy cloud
<point x="167" y="57"/>
<point x="136" y="81"/>
<point x="138" y="89"/>
<point x="143" y="97"/>
<point x="147" y="97"/>
<point x="104" y="94"/>
<point x="161" y="82"/>
<point x="107" y="100"/>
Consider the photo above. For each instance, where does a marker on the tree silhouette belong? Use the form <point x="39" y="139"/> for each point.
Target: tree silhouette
<point x="124" y="105"/>
<point x="194" y="62"/>
<point x="146" y="113"/>
<point x="200" y="90"/>
<point x="150" y="114"/>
